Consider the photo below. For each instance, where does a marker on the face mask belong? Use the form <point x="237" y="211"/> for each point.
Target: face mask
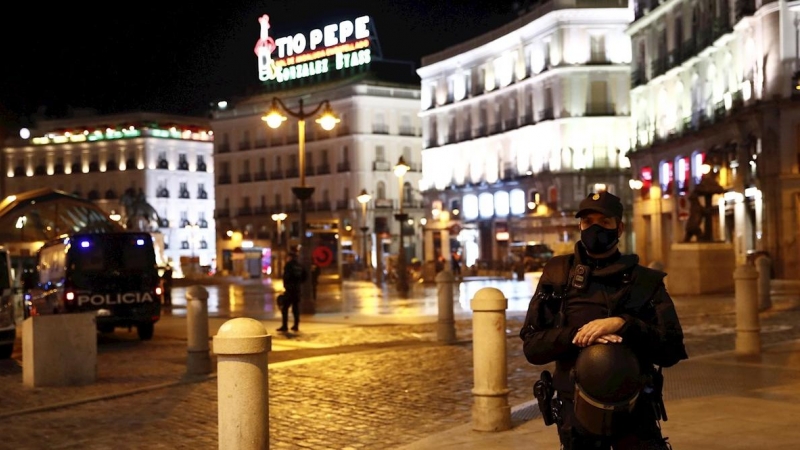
<point x="598" y="240"/>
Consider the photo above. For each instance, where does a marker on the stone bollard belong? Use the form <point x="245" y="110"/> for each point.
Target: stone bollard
<point x="764" y="268"/>
<point x="242" y="346"/>
<point x="748" y="339"/>
<point x="446" y="330"/>
<point x="198" y="359"/>
<point x="490" y="410"/>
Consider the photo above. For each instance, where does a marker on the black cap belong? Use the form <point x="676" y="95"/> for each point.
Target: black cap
<point x="603" y="202"/>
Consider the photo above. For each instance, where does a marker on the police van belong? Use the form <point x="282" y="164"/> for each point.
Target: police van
<point x="8" y="306"/>
<point x="114" y="275"/>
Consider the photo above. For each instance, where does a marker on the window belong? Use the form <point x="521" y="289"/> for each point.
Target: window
<point x="201" y="163"/>
<point x="381" y="190"/>
<point x="184" y="191"/>
<point x="380" y="153"/>
<point x="183" y="163"/>
<point x="683" y="175"/>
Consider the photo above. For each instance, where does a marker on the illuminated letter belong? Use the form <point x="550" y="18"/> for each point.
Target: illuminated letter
<point x="316" y="38"/>
<point x="330" y="35"/>
<point x="298" y="43"/>
<point x="283" y="46"/>
<point x="361" y="27"/>
<point x="339" y="61"/>
<point x="345" y="31"/>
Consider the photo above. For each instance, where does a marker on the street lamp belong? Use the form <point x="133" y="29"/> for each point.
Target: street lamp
<point x="364" y="198"/>
<point x="327" y="120"/>
<point x="402" y="275"/>
<point x="280" y="217"/>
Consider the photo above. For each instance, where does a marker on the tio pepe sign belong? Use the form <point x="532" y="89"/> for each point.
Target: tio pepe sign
<point x="304" y="55"/>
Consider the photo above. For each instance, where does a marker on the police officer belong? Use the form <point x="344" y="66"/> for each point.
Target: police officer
<point x="294" y="275"/>
<point x="597" y="296"/>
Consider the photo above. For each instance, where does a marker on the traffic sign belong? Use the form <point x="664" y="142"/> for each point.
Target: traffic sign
<point x="322" y="256"/>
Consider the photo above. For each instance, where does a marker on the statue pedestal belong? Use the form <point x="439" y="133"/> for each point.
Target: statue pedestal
<point x="700" y="268"/>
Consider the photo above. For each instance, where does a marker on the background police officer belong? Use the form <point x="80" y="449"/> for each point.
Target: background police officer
<point x="597" y="296"/>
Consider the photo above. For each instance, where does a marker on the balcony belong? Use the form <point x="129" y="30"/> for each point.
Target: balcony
<point x="276" y="175"/>
<point x="276" y="140"/>
<point x="183" y="194"/>
<point x="260" y="143"/>
<point x="342" y="204"/>
<point x="637" y="78"/>
<point x="381" y="166"/>
<point x="527" y="119"/>
<point x="323" y="169"/>
<point x="260" y="210"/>
<point x="546" y="114"/>
<point x="324" y="205"/>
<point x="222" y="213"/>
<point x="384" y="203"/>
<point x="343" y="166"/>
<point x="245" y="146"/>
<point x="293" y="172"/>
<point x="245" y="211"/>
<point x="260" y="176"/>
<point x="479" y="132"/>
<point x="380" y="128"/>
<point x="510" y="124"/>
<point x="223" y="148"/>
<point x="245" y="178"/>
<point x="224" y="179"/>
<point x="309" y="170"/>
<point x="450" y="138"/>
<point x="464" y="135"/>
<point x="495" y="128"/>
<point x="342" y="130"/>
<point x="292" y="139"/>
<point x="658" y="67"/>
<point x="202" y="195"/>
<point x="431" y="141"/>
<point x="407" y="131"/>
<point x="600" y="109"/>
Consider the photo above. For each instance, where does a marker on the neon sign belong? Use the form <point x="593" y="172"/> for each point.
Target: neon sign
<point x="333" y="47"/>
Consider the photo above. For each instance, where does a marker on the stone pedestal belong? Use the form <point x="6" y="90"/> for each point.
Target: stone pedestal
<point x="59" y="350"/>
<point x="700" y="268"/>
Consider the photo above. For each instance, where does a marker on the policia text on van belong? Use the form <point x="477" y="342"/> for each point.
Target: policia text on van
<point x="113" y="274"/>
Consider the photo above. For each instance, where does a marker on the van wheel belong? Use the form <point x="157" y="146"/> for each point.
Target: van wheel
<point x="145" y="331"/>
<point x="5" y="351"/>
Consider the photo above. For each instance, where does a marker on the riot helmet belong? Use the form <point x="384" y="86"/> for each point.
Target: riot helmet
<point x="608" y="380"/>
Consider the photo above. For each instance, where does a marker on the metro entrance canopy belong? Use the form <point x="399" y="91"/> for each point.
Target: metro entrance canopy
<point x="43" y="214"/>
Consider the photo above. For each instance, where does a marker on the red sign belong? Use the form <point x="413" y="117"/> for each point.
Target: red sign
<point x="322" y="256"/>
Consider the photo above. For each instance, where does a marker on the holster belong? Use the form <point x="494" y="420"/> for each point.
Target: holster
<point x="653" y="390"/>
<point x="543" y="391"/>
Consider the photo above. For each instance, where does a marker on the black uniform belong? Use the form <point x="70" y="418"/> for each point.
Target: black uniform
<point x="558" y="309"/>
<point x="294" y="274"/>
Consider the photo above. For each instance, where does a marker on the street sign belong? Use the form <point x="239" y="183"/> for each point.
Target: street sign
<point x="322" y="256"/>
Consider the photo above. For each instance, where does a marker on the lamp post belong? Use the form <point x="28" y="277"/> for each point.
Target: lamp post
<point x="193" y="227"/>
<point x="364" y="198"/>
<point x="402" y="274"/>
<point x="280" y="217"/>
<point x="327" y="120"/>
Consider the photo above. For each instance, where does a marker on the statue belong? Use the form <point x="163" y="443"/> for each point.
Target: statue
<point x="139" y="215"/>
<point x="702" y="213"/>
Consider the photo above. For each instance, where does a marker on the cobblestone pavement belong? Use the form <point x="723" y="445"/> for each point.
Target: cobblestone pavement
<point x="373" y="396"/>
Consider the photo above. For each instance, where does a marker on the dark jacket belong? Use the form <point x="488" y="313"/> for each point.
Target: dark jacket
<point x="294" y="274"/>
<point x="616" y="287"/>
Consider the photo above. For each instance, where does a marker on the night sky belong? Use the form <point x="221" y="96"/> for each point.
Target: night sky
<point x="179" y="57"/>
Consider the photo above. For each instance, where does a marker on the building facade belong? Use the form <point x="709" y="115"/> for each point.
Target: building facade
<point x="161" y="160"/>
<point x="520" y="124"/>
<point x="714" y="90"/>
<point x="257" y="167"/>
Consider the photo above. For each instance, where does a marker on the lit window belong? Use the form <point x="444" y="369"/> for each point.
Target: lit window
<point x="470" y="207"/>
<point x="666" y="178"/>
<point x="486" y="205"/>
<point x="501" y="203"/>
<point x="517" y="202"/>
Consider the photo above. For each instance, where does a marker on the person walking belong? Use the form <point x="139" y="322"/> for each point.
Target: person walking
<point x="610" y="326"/>
<point x="294" y="274"/>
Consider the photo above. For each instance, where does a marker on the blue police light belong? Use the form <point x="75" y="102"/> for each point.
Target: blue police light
<point x="85" y="244"/>
<point x="140" y="242"/>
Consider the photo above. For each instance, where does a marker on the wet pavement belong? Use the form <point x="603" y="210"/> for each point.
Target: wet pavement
<point x="354" y="377"/>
